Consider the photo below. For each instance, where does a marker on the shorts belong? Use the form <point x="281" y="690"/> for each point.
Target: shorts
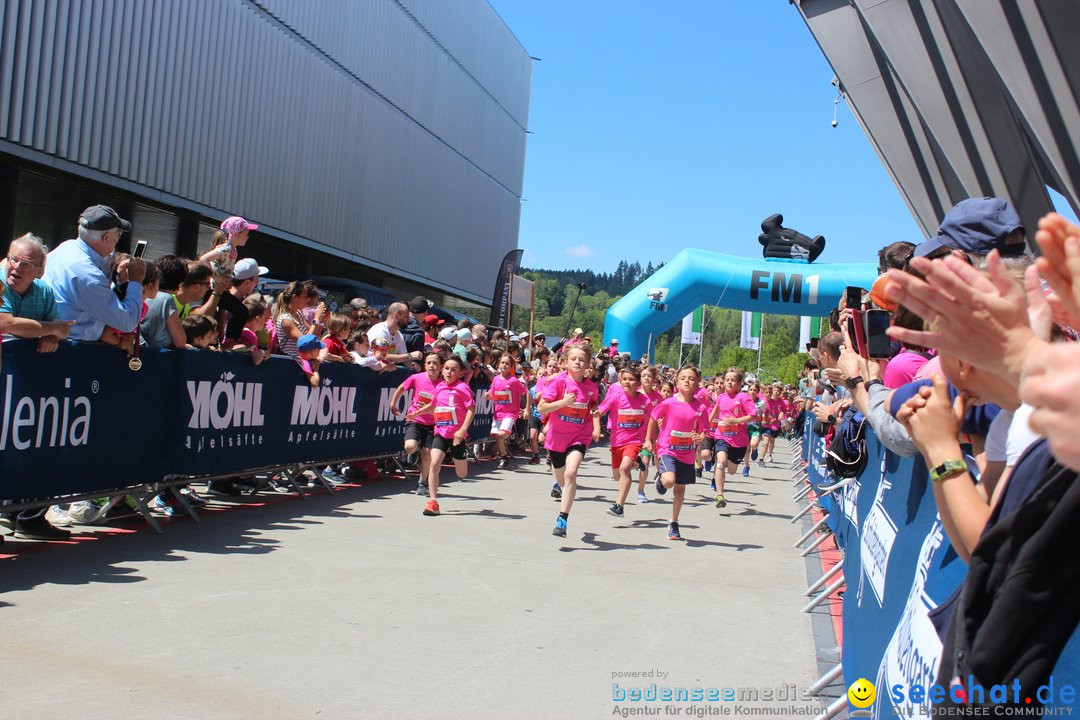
<point x="734" y="454"/>
<point x="447" y="446"/>
<point x="558" y="459"/>
<point x="708" y="444"/>
<point x="771" y="432"/>
<point x="624" y="451"/>
<point x="422" y="434"/>
<point x="753" y="430"/>
<point x="504" y="426"/>
<point x="684" y="472"/>
<point x="536" y="424"/>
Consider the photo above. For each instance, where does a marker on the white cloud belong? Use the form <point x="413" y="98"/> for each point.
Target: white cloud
<point x="581" y="251"/>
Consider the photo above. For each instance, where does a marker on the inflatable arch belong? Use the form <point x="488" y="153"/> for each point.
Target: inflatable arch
<point x="700" y="277"/>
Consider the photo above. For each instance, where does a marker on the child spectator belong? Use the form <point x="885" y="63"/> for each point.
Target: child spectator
<point x="249" y="338"/>
<point x="337" y="332"/>
<point x="201" y="331"/>
<point x="308" y="348"/>
<point x="360" y="348"/>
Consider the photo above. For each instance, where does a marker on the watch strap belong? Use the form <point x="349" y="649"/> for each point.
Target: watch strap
<point x="948" y="469"/>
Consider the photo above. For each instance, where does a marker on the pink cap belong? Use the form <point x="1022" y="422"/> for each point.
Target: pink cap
<point x="235" y="224"/>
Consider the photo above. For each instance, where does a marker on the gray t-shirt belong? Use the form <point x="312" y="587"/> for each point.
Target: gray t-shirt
<point x="153" y="330"/>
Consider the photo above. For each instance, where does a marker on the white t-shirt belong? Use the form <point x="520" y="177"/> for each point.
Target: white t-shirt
<point x="997" y="436"/>
<point x="1020" y="435"/>
<point x="382" y="330"/>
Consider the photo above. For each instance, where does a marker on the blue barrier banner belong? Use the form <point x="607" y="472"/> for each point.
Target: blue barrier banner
<point x="898" y="563"/>
<point x="79" y="420"/>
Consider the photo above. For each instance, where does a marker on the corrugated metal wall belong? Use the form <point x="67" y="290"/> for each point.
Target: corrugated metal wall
<point x="393" y="130"/>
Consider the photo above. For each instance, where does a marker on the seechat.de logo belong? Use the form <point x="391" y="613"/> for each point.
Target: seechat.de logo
<point x="861" y="694"/>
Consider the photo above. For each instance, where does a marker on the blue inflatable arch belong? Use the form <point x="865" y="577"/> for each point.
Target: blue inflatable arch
<point x="700" y="277"/>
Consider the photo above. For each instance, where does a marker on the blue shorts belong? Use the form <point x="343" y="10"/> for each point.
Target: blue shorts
<point x="684" y="472"/>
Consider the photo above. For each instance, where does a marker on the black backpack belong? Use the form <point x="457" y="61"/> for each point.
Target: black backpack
<point x="845" y="456"/>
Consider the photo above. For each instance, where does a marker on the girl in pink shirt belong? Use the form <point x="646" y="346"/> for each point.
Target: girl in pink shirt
<point x="774" y="411"/>
<point x="628" y="414"/>
<point x="682" y="420"/>
<point x="569" y="399"/>
<point x="506" y="393"/>
<point x="420" y="431"/>
<point x="452" y="408"/>
<point x="728" y="435"/>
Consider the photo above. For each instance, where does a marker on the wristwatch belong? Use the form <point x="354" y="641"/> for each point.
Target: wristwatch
<point x="873" y="382"/>
<point x="853" y="382"/>
<point x="948" y="469"/>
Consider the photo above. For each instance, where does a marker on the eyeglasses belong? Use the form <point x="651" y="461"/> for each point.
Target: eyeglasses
<point x="22" y="262"/>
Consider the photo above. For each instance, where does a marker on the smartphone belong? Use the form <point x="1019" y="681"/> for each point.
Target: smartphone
<point x="856" y="332"/>
<point x="853" y="297"/>
<point x="140" y="248"/>
<point x="813" y="342"/>
<point x="878" y="346"/>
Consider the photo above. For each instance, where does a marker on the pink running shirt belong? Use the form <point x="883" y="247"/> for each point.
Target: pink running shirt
<point x="679" y="421"/>
<point x="423" y="392"/>
<point x="452" y="403"/>
<point x="571" y="425"/>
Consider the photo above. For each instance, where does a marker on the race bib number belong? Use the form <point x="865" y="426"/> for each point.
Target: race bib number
<point x="445" y="416"/>
<point x="681" y="440"/>
<point x="630" y="419"/>
<point x="425" y="397"/>
<point x="575" y="414"/>
<point x="501" y="397"/>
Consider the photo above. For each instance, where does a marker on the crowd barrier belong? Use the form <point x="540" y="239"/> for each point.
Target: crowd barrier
<point x="899" y="565"/>
<point x="79" y="420"/>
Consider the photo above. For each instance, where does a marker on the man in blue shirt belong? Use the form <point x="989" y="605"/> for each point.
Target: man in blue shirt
<point x="76" y="273"/>
<point x="27" y="308"/>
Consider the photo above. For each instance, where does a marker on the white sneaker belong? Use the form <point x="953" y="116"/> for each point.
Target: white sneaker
<point x="58" y="518"/>
<point x="641" y="498"/>
<point x="84" y="511"/>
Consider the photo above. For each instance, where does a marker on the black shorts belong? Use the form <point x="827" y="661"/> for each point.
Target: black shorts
<point x="447" y="446"/>
<point x="558" y="459"/>
<point x="536" y="424"/>
<point x="685" y="473"/>
<point x="769" y="432"/>
<point x="422" y="434"/>
<point x="708" y="444"/>
<point x="734" y="455"/>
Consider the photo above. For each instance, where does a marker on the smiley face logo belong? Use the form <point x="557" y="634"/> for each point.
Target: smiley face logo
<point x="862" y="693"/>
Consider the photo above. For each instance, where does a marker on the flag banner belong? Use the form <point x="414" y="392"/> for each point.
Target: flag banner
<point x="691" y="327"/>
<point x="804" y="332"/>
<point x="500" y="299"/>
<point x="751" y="331"/>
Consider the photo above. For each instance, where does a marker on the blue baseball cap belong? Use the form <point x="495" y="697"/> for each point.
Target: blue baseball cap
<point x="309" y="342"/>
<point x="976" y="226"/>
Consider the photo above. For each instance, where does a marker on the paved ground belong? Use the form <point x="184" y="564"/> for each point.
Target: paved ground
<point x="356" y="606"/>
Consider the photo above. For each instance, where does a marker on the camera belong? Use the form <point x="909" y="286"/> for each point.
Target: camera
<point x="834" y="123"/>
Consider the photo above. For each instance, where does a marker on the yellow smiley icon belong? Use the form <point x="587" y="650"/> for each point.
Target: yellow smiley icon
<point x="861" y="694"/>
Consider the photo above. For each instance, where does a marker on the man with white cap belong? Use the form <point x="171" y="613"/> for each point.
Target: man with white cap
<point x="245" y="278"/>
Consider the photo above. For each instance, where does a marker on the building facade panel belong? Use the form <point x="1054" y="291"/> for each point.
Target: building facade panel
<point x="346" y="127"/>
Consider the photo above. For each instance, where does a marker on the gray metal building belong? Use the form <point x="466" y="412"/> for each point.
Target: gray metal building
<point x="381" y="140"/>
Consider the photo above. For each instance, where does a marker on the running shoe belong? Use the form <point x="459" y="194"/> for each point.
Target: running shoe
<point x="660" y="489"/>
<point x="165" y="507"/>
<point x="556" y="491"/>
<point x="616" y="509"/>
<point x="504" y="462"/>
<point x="712" y="485"/>
<point x="753" y="454"/>
<point x="720" y="501"/>
<point x="746" y="471"/>
<point x="761" y="463"/>
<point x="57" y="517"/>
<point x="673" y="531"/>
<point x="641" y="498"/>
<point x="421" y="488"/>
<point x="432" y="508"/>
<point x="560" y="527"/>
<point x="697" y="471"/>
<point x="708" y="465"/>
<point x="535" y="459"/>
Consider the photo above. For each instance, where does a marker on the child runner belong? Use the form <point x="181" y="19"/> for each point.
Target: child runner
<point x="627" y="412"/>
<point x="702" y="463"/>
<point x="420" y="431"/>
<point x="753" y="428"/>
<point x="650" y="381"/>
<point x="728" y="430"/>
<point x="569" y="399"/>
<point x="774" y="409"/>
<point x="682" y="420"/>
<point x="453" y="408"/>
<point x="506" y="393"/>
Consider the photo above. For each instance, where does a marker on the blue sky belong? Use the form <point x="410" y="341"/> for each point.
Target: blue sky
<point x="665" y="125"/>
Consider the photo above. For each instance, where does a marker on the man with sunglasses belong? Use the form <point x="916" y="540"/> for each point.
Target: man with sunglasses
<point x="84" y="292"/>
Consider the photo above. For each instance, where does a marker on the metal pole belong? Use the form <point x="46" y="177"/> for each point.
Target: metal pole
<point x="760" y="342"/>
<point x="810" y="532"/>
<point x="814" y="545"/>
<point x="825" y="680"/>
<point x="834" y="709"/>
<point x="824" y="579"/>
<point x="824" y="595"/>
<point x="573" y="308"/>
<point x="808" y="508"/>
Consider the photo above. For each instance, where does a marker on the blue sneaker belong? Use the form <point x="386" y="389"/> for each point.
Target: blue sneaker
<point x="708" y="465"/>
<point x="746" y="471"/>
<point x="753" y="454"/>
<point x="660" y="489"/>
<point x="673" y="531"/>
<point x="641" y="498"/>
<point x="616" y="510"/>
<point x="712" y="484"/>
<point x="556" y="491"/>
<point x="560" y="527"/>
<point x="165" y="507"/>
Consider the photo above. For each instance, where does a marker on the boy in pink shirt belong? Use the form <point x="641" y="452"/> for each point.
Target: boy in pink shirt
<point x="728" y="435"/>
<point x="420" y="431"/>
<point x="682" y="420"/>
